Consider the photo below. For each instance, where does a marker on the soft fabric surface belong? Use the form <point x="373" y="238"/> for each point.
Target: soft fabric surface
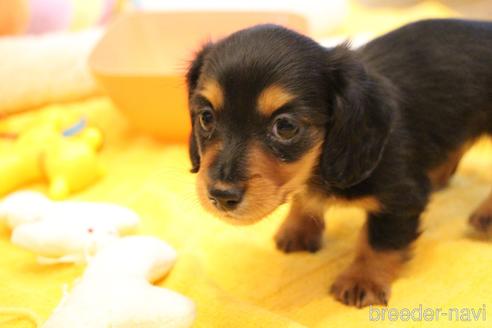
<point x="235" y="275"/>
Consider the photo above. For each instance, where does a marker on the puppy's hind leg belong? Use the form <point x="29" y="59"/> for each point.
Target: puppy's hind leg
<point x="481" y="218"/>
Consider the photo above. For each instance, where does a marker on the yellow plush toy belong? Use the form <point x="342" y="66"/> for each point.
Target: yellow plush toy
<point x="55" y="149"/>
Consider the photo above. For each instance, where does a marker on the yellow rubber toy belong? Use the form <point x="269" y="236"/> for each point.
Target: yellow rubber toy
<point x="64" y="157"/>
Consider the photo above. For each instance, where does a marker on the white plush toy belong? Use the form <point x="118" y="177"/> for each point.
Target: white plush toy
<point x="66" y="231"/>
<point x="116" y="290"/>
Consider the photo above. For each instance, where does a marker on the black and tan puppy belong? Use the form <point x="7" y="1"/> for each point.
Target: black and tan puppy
<point x="277" y="117"/>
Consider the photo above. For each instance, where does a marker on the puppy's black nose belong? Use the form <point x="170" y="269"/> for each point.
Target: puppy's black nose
<point x="226" y="199"/>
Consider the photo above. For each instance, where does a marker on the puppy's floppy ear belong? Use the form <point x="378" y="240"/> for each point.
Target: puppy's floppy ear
<point x="193" y="153"/>
<point x="359" y="124"/>
<point x="192" y="77"/>
<point x="194" y="70"/>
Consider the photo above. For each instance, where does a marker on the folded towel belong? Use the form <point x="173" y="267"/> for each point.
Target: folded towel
<point x="35" y="70"/>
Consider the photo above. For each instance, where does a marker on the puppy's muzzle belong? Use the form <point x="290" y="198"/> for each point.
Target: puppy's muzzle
<point x="226" y="199"/>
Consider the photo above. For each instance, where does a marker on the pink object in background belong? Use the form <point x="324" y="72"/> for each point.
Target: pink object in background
<point x="49" y="15"/>
<point x="107" y="11"/>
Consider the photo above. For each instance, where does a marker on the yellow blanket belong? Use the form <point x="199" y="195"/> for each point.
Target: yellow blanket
<point x="235" y="275"/>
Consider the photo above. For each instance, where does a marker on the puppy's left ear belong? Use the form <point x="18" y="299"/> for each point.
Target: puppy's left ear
<point x="360" y="117"/>
<point x="192" y="77"/>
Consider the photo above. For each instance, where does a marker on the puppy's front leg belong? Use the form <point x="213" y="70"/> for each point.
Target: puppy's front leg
<point x="382" y="249"/>
<point x="303" y="228"/>
<point x="481" y="218"/>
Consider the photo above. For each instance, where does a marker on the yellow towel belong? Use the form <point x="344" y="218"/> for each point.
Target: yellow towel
<point x="235" y="275"/>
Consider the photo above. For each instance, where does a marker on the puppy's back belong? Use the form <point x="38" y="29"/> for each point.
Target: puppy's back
<point x="442" y="71"/>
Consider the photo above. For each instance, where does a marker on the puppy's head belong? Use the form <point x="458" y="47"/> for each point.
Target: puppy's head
<point x="270" y="108"/>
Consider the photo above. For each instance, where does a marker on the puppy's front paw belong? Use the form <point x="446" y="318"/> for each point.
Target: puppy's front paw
<point x="481" y="219"/>
<point x="292" y="241"/>
<point x="357" y="290"/>
<point x="300" y="237"/>
<point x="481" y="222"/>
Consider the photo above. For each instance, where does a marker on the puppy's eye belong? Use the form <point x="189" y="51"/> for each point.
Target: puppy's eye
<point x="207" y="120"/>
<point x="285" y="128"/>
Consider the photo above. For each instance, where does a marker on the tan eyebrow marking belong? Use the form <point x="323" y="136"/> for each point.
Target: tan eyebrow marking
<point x="272" y="98"/>
<point x="213" y="92"/>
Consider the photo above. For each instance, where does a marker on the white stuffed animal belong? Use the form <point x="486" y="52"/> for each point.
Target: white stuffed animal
<point x="65" y="231"/>
<point x="116" y="290"/>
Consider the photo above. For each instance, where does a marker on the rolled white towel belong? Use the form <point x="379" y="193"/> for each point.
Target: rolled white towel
<point x="35" y="70"/>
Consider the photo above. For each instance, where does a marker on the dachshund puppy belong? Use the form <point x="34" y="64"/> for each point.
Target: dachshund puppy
<point x="277" y="117"/>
